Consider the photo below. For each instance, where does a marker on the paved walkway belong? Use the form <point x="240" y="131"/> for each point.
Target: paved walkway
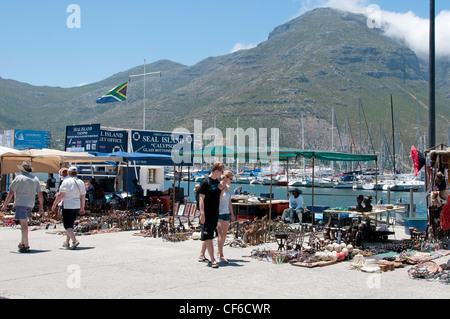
<point x="122" y="266"/>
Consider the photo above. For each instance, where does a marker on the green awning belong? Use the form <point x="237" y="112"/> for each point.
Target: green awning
<point x="283" y="154"/>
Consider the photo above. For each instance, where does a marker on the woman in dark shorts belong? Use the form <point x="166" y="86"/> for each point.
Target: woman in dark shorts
<point x="73" y="192"/>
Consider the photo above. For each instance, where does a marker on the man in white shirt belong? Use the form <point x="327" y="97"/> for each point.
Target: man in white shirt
<point x="295" y="207"/>
<point x="73" y="191"/>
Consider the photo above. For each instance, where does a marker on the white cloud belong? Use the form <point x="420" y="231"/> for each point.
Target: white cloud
<point x="82" y="84"/>
<point x="242" y="46"/>
<point x="443" y="34"/>
<point x="407" y="27"/>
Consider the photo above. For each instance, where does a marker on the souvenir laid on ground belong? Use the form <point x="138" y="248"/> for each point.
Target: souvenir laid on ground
<point x="426" y="269"/>
<point x="357" y="262"/>
<point x="386" y="265"/>
<point x="371" y="266"/>
<point x="415" y="257"/>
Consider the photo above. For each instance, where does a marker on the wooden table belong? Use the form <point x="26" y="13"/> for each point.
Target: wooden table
<point x="380" y="209"/>
<point x="255" y="209"/>
<point x="377" y="210"/>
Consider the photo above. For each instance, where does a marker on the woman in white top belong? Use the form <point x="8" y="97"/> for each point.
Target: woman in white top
<point x="225" y="214"/>
<point x="73" y="192"/>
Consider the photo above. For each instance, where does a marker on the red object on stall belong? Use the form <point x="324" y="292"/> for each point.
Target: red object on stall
<point x="445" y="215"/>
<point x="165" y="201"/>
<point x="279" y="208"/>
<point x="418" y="160"/>
<point x="245" y="218"/>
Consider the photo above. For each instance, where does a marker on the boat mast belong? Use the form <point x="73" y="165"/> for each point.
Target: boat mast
<point x="418" y="126"/>
<point x="432" y="79"/>
<point x="393" y="138"/>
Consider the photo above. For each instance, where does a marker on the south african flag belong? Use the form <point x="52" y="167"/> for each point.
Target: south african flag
<point x="118" y="94"/>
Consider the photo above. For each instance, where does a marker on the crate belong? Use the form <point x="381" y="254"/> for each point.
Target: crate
<point x="279" y="208"/>
<point x="244" y="218"/>
<point x="419" y="223"/>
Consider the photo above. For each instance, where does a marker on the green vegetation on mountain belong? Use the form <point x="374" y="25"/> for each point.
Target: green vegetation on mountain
<point x="321" y="61"/>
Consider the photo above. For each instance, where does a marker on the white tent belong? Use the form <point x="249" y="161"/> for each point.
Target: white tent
<point x="46" y="160"/>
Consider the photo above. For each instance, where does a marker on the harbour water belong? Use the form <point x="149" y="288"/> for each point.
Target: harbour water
<point x="332" y="197"/>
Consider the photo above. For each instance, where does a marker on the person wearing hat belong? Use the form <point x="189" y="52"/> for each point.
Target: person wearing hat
<point x="73" y="192"/>
<point x="295" y="210"/>
<point x="439" y="190"/>
<point x="24" y="189"/>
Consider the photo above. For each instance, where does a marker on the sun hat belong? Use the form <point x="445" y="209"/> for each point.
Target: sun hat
<point x="295" y="190"/>
<point x="73" y="169"/>
<point x="26" y="167"/>
<point x="62" y="170"/>
<point x="371" y="266"/>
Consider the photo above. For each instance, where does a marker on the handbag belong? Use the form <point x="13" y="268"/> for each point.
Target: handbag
<point x="79" y="190"/>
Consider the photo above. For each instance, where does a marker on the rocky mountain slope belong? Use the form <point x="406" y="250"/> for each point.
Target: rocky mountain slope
<point x="321" y="61"/>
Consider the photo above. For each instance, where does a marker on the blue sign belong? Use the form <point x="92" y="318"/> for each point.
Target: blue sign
<point x="82" y="138"/>
<point x="24" y="139"/>
<point x="160" y="143"/>
<point x="112" y="141"/>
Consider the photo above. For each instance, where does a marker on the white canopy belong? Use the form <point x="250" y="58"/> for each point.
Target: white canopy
<point x="46" y="160"/>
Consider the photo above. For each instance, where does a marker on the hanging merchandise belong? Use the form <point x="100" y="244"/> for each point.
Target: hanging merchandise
<point x="445" y="215"/>
<point x="418" y="160"/>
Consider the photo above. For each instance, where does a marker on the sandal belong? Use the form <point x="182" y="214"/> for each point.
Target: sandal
<point x="224" y="260"/>
<point x="23" y="249"/>
<point x="215" y="265"/>
<point x="75" y="245"/>
<point x="66" y="245"/>
<point x="204" y="260"/>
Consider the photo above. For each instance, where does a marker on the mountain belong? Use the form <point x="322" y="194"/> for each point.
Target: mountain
<point x="321" y="61"/>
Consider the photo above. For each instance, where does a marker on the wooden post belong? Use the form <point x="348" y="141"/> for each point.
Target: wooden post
<point x="312" y="198"/>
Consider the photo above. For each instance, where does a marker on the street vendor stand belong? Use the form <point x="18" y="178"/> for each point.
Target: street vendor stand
<point x="351" y="216"/>
<point x="221" y="153"/>
<point x="438" y="210"/>
<point x="47" y="160"/>
<point x="248" y="210"/>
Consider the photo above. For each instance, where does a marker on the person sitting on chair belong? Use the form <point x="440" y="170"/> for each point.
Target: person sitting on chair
<point x="138" y="193"/>
<point x="295" y="210"/>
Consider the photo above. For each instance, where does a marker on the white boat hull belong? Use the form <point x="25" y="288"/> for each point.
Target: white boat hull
<point x="372" y="186"/>
<point x="405" y="186"/>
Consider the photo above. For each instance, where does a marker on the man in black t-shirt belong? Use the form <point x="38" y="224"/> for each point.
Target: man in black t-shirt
<point x="209" y="198"/>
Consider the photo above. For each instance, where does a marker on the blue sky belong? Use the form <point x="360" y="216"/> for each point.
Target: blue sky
<point x="38" y="47"/>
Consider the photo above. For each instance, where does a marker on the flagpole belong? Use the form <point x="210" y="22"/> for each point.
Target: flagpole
<point x="144" y="98"/>
<point x="144" y="74"/>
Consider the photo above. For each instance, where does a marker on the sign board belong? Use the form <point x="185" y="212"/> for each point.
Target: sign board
<point x="160" y="143"/>
<point x="6" y="138"/>
<point x="82" y="138"/>
<point x="24" y="139"/>
<point x="91" y="138"/>
<point x="112" y="141"/>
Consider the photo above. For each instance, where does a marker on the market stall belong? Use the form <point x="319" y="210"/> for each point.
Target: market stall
<point x="47" y="160"/>
<point x="437" y="166"/>
<point x="267" y="155"/>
